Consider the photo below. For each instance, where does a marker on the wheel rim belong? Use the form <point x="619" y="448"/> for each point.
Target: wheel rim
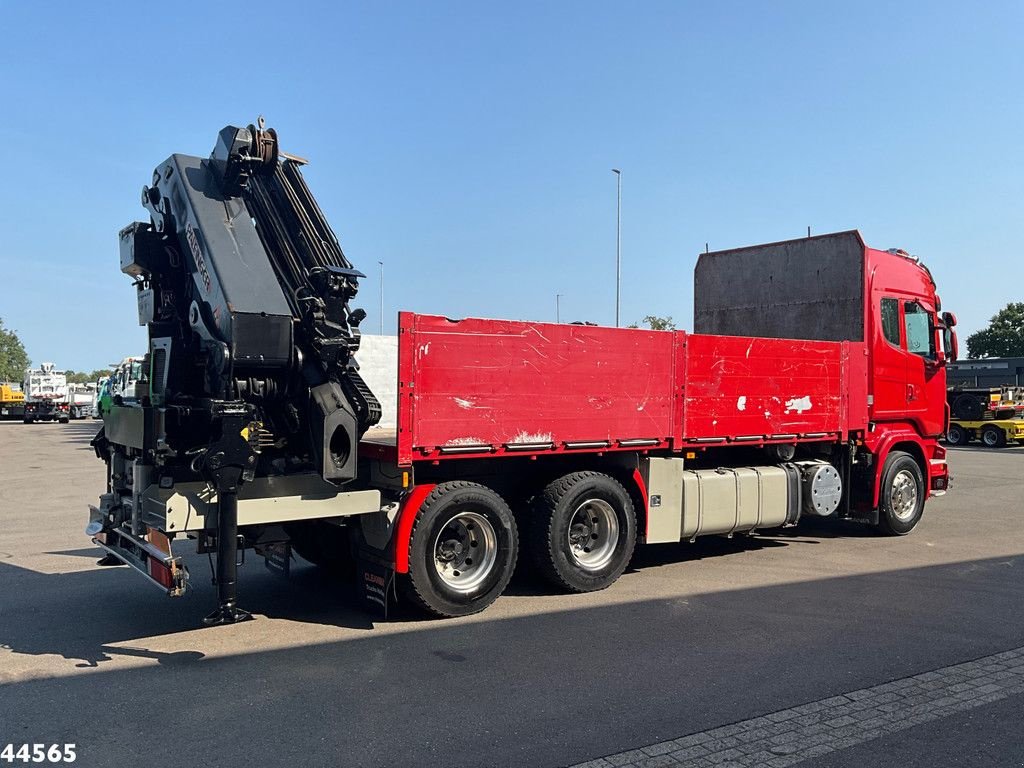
<point x="955" y="436"/>
<point x="465" y="551"/>
<point x="593" y="534"/>
<point x="904" y="495"/>
<point x="990" y="437"/>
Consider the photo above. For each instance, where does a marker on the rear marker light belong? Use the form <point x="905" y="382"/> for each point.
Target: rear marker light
<point x="161" y="573"/>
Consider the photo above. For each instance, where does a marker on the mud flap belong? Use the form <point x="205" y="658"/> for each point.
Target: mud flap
<point x="277" y="558"/>
<point x="376" y="582"/>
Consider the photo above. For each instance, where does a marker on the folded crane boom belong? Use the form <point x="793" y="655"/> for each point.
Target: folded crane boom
<point x="251" y="371"/>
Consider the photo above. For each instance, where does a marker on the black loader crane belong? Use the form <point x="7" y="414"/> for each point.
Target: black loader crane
<point x="251" y="376"/>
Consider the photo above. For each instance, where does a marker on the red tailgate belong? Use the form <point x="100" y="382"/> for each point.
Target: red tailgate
<point x="499" y="386"/>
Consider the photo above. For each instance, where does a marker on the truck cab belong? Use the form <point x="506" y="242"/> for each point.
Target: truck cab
<point x="46" y="395"/>
<point x="834" y="287"/>
<point x="908" y="356"/>
<point x="12" y="400"/>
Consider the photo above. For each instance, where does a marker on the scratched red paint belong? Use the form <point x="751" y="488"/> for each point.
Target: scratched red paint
<point x="500" y="383"/>
<point x="740" y="386"/>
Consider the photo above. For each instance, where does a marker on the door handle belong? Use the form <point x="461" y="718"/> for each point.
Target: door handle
<point x="911" y="392"/>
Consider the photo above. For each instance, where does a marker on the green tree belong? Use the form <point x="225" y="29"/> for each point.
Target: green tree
<point x="656" y="323"/>
<point x="1004" y="336"/>
<point x="13" y="357"/>
<point x="82" y="377"/>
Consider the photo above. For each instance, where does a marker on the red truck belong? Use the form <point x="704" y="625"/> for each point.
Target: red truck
<point x="814" y="385"/>
<point x="602" y="437"/>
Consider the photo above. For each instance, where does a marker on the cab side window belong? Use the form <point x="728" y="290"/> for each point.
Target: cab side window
<point x="918" y="327"/>
<point x="891" y="321"/>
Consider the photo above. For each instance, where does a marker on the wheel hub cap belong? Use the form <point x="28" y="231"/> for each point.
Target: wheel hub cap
<point x="904" y="495"/>
<point x="465" y="551"/>
<point x="593" y="534"/>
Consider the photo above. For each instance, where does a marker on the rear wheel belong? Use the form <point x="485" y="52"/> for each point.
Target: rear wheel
<point x="993" y="437"/>
<point x="901" y="497"/>
<point x="582" y="531"/>
<point x="462" y="550"/>
<point x="956" y="435"/>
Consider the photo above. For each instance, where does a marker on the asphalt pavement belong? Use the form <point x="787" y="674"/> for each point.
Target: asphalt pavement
<point x="692" y="638"/>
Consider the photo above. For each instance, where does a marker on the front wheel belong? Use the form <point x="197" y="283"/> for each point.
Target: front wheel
<point x="901" y="497"/>
<point x="462" y="550"/>
<point x="582" y="531"/>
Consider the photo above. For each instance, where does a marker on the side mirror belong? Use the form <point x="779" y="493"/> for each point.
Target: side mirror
<point x="949" y="319"/>
<point x="949" y="341"/>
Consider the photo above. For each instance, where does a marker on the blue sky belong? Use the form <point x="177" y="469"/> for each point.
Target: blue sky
<point x="469" y="145"/>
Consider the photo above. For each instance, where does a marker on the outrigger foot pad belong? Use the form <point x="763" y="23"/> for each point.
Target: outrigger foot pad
<point x="109" y="560"/>
<point x="227" y="614"/>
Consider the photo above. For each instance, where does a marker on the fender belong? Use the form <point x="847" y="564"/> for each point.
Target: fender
<point x="406" y="518"/>
<point x="880" y="443"/>
<point x="641" y="488"/>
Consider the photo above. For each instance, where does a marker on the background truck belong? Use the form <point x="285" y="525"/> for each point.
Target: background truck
<point x="125" y="378"/>
<point x="12" y="401"/>
<point x="121" y="386"/>
<point x="993" y="432"/>
<point x="561" y="445"/>
<point x="100" y="391"/>
<point x="992" y="415"/>
<point x="46" y="395"/>
<point x="978" y="403"/>
<point x="81" y="399"/>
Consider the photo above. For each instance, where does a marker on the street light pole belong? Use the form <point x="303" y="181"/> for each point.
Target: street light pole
<point x="618" y="240"/>
<point x="381" y="263"/>
<point x="558" y="309"/>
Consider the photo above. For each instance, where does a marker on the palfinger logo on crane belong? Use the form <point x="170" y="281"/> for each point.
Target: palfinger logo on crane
<point x="197" y="254"/>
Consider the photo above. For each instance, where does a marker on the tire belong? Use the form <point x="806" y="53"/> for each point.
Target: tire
<point x="957" y="435"/>
<point x="992" y="436"/>
<point x="64" y="421"/>
<point x="27" y="420"/>
<point x="901" y="497"/>
<point x="582" y="531"/>
<point x="462" y="550"/>
<point x="968" y="408"/>
<point x="324" y="545"/>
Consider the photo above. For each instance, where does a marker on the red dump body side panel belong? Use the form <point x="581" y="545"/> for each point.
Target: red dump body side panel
<point x="507" y="385"/>
<point x="748" y="389"/>
<point x="495" y="387"/>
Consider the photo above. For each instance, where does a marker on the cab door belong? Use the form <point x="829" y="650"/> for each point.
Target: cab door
<point x="889" y="374"/>
<point x="926" y="376"/>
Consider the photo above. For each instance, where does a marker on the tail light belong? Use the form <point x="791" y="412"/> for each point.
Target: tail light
<point x="161" y="573"/>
